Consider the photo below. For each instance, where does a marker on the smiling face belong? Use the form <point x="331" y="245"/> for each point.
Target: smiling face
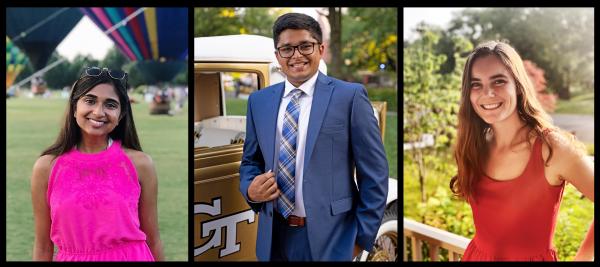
<point x="493" y="92"/>
<point x="299" y="68"/>
<point x="98" y="111"/>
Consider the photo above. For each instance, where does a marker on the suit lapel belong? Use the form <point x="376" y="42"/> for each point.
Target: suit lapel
<point x="272" y="109"/>
<point x="320" y="102"/>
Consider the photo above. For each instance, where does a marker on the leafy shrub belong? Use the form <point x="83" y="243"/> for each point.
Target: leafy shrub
<point x="536" y="75"/>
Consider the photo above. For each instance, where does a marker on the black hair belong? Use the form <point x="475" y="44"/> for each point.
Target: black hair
<point x="70" y="134"/>
<point x="297" y="21"/>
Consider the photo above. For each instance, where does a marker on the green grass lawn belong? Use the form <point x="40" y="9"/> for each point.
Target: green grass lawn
<point x="579" y="104"/>
<point x="391" y="144"/>
<point x="33" y="124"/>
<point x="238" y="107"/>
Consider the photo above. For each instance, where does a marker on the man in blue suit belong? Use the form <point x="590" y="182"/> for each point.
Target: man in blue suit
<point x="305" y="137"/>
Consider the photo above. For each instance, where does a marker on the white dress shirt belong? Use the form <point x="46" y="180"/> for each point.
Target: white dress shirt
<point x="308" y="88"/>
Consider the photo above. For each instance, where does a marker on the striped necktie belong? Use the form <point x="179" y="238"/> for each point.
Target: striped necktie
<point x="287" y="155"/>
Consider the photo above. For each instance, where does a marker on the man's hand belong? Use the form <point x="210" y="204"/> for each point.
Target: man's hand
<point x="357" y="250"/>
<point x="263" y="188"/>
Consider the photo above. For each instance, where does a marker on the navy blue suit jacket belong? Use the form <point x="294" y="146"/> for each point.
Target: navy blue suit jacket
<point x="342" y="135"/>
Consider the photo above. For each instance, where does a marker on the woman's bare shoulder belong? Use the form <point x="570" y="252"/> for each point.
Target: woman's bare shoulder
<point x="140" y="159"/>
<point x="143" y="164"/>
<point x="42" y="167"/>
<point x="565" y="149"/>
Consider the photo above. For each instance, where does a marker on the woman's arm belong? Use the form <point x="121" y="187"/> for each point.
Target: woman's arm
<point x="148" y="204"/>
<point x="43" y="248"/>
<point x="586" y="250"/>
<point x="577" y="169"/>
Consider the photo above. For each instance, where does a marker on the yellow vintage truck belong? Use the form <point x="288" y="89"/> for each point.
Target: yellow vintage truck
<point x="226" y="70"/>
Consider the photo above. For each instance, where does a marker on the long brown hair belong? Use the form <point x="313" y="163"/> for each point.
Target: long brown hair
<point x="471" y="149"/>
<point x="70" y="134"/>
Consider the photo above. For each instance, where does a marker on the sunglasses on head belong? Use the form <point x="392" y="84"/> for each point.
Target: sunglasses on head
<point x="115" y="74"/>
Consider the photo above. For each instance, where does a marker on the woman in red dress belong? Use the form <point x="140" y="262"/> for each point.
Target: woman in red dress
<point x="513" y="164"/>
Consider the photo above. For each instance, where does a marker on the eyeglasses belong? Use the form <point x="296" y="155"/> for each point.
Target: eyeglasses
<point x="115" y="74"/>
<point x="303" y="48"/>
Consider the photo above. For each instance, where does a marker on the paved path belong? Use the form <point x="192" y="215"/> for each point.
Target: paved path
<point x="583" y="125"/>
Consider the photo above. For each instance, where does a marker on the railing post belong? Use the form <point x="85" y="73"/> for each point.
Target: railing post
<point x="404" y="250"/>
<point x="451" y="256"/>
<point x="435" y="238"/>
<point x="434" y="252"/>
<point x="416" y="247"/>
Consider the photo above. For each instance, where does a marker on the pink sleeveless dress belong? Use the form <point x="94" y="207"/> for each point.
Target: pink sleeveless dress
<point x="515" y="219"/>
<point x="93" y="202"/>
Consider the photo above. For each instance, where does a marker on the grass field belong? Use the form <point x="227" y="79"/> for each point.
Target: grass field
<point x="33" y="124"/>
<point x="238" y="107"/>
<point x="578" y="104"/>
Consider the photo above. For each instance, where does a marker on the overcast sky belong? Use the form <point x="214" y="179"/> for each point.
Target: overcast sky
<point x="435" y="16"/>
<point x="85" y="39"/>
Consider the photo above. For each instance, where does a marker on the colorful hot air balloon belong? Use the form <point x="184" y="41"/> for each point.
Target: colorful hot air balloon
<point x="15" y="62"/>
<point x="156" y="39"/>
<point x="38" y="31"/>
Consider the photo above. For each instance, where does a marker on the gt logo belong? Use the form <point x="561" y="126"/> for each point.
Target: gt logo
<point x="213" y="227"/>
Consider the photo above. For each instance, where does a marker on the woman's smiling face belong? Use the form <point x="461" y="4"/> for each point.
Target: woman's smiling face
<point x="98" y="111"/>
<point x="493" y="92"/>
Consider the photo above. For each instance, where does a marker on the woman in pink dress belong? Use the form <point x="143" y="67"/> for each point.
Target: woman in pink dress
<point x="94" y="191"/>
<point x="513" y="164"/>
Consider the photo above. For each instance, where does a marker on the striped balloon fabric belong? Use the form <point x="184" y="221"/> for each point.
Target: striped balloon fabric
<point x="159" y="34"/>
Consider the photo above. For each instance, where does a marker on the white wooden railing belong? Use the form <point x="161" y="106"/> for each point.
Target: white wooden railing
<point x="436" y="239"/>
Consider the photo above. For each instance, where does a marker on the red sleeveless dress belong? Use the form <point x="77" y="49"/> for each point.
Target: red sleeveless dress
<point x="515" y="219"/>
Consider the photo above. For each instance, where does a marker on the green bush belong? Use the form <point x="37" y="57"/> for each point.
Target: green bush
<point x="390" y="95"/>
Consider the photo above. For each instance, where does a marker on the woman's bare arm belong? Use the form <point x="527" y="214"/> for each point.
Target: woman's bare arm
<point x="43" y="248"/>
<point x="577" y="169"/>
<point x="148" y="211"/>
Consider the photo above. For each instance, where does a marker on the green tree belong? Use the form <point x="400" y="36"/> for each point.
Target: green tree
<point x="66" y="73"/>
<point x="211" y="21"/>
<point x="258" y="21"/>
<point x="334" y="17"/>
<point x="114" y="59"/>
<point x="559" y="40"/>
<point x="135" y="76"/>
<point x="79" y="63"/>
<point x="182" y="77"/>
<point x="430" y="98"/>
<point x="369" y="38"/>
<point x="59" y="76"/>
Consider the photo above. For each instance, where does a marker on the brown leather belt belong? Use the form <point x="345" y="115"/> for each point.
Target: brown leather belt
<point x="295" y="221"/>
<point x="292" y="220"/>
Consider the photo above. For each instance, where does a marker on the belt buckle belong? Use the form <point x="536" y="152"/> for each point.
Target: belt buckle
<point x="291" y="221"/>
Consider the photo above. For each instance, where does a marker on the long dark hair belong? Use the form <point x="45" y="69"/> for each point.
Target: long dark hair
<point x="70" y="134"/>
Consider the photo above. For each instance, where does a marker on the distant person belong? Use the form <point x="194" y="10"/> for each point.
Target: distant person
<point x="513" y="164"/>
<point x="305" y="138"/>
<point x="94" y="191"/>
<point x="180" y="98"/>
<point x="66" y="91"/>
